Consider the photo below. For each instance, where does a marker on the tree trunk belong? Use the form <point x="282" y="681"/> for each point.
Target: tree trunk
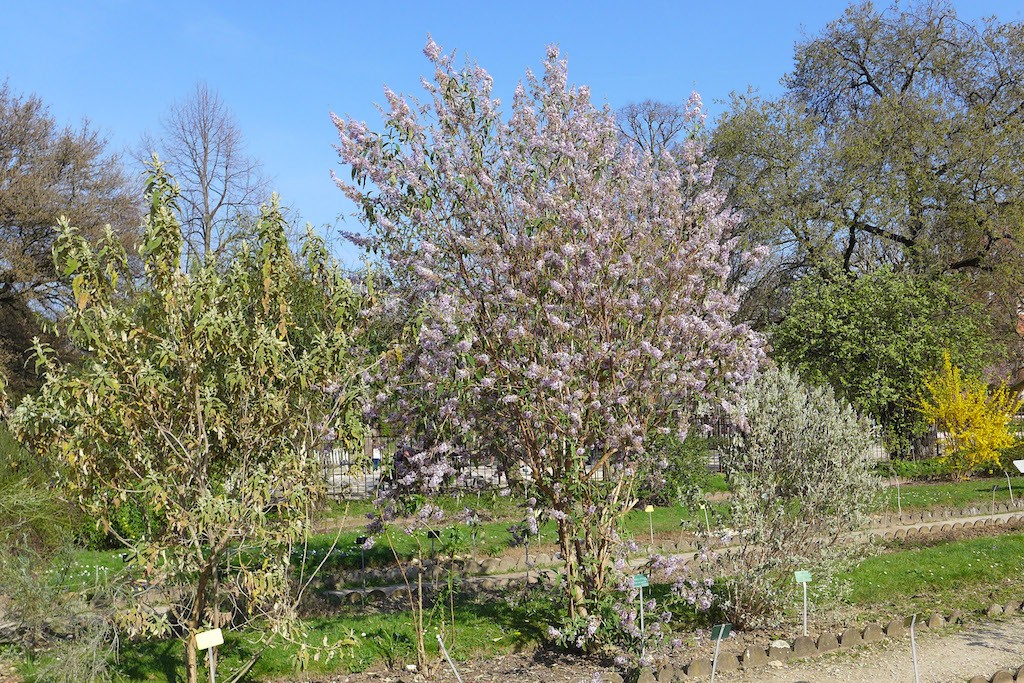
<point x="569" y="556"/>
<point x="195" y="619"/>
<point x="191" y="659"/>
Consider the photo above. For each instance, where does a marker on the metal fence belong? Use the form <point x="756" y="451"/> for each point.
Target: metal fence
<point x="359" y="474"/>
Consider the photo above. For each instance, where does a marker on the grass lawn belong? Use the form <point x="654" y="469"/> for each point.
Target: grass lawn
<point x="954" y="494"/>
<point x="492" y="537"/>
<point x="482" y="628"/>
<point x="967" y="574"/>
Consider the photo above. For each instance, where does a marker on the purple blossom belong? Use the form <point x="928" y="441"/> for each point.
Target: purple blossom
<point x="596" y="305"/>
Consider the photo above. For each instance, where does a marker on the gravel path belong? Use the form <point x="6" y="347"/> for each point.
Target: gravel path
<point x="981" y="649"/>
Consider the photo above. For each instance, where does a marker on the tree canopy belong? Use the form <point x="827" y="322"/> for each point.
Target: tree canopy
<point x="877" y="338"/>
<point x="48" y="171"/>
<point x="897" y="142"/>
<point x="221" y="186"/>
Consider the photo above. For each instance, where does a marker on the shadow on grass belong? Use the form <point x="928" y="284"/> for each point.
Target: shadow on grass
<point x="163" y="661"/>
<point x="144" y="661"/>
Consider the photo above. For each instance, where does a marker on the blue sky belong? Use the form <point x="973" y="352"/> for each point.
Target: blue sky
<point x="282" y="69"/>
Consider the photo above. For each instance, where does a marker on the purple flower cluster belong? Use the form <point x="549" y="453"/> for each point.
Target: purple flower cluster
<point x="571" y="295"/>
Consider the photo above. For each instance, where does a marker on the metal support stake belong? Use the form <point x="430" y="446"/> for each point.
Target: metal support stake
<point x="913" y="649"/>
<point x="714" y="662"/>
<point x="643" y="633"/>
<point x="527" y="559"/>
<point x="446" y="656"/>
<point x="213" y="665"/>
<point x="805" y="608"/>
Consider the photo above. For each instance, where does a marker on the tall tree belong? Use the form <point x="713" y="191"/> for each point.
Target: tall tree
<point x="221" y="185"/>
<point x="876" y="339"/>
<point x="203" y="401"/>
<point x="571" y="294"/>
<point x="48" y="171"/>
<point x="897" y="142"/>
<point x="655" y="127"/>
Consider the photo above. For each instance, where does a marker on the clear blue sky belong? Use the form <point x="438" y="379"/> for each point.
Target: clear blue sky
<point x="283" y="67"/>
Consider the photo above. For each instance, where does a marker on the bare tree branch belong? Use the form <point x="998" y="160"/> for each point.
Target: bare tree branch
<point x="222" y="187"/>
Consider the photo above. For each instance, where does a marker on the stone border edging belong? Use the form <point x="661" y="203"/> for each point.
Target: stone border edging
<point x="915" y="524"/>
<point x="806" y="647"/>
<point x="1001" y="676"/>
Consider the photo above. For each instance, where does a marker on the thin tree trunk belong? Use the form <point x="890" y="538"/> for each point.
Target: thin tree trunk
<point x="191" y="658"/>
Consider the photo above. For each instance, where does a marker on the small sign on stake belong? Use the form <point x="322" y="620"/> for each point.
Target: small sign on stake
<point x="209" y="640"/>
<point x="640" y="581"/>
<point x="719" y="632"/>
<point x="803" y="577"/>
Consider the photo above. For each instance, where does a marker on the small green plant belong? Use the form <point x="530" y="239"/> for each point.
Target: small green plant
<point x="393" y="646"/>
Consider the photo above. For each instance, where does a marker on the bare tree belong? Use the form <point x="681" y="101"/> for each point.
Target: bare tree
<point x="222" y="187"/>
<point x="653" y="126"/>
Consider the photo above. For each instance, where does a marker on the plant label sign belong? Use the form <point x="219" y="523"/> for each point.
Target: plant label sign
<point x="802" y="576"/>
<point x="1019" y="464"/>
<point x="649" y="509"/>
<point x="208" y="639"/>
<point x="640" y="581"/>
<point x="721" y="631"/>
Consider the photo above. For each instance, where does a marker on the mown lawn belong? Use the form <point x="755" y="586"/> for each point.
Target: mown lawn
<point x="927" y="496"/>
<point x="967" y="574"/>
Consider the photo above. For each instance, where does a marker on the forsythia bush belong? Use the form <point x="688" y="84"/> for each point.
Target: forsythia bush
<point x="974" y="419"/>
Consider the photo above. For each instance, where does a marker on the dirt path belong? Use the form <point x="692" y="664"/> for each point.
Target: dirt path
<point x="980" y="649"/>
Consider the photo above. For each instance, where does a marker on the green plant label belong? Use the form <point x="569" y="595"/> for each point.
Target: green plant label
<point x="640" y="581"/>
<point x="720" y="631"/>
<point x="802" y="576"/>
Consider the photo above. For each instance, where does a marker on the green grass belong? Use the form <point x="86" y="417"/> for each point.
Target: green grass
<point x="954" y="494"/>
<point x="483" y="627"/>
<point x="959" y="574"/>
<point x="493" y="537"/>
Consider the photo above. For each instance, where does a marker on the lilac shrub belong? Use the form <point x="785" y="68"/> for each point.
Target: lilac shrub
<point x="567" y="295"/>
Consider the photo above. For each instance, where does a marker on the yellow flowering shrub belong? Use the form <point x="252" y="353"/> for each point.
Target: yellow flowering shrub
<point x="973" y="420"/>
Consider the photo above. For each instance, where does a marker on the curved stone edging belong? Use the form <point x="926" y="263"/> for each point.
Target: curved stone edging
<point x="1001" y="676"/>
<point x="806" y="647"/>
<point x="434" y="571"/>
